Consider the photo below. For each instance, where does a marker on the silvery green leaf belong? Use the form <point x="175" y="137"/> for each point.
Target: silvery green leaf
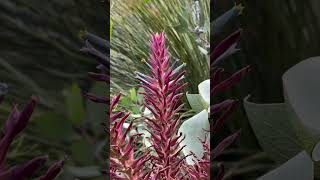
<point x="193" y="129"/>
<point x="299" y="167"/>
<point x="294" y="124"/>
<point x="301" y="90"/>
<point x="272" y="127"/>
<point x="301" y="93"/>
<point x="196" y="102"/>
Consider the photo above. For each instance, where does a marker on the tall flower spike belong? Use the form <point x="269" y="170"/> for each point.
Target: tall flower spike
<point x="162" y="98"/>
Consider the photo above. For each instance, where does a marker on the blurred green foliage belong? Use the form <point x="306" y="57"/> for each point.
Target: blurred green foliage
<point x="135" y="20"/>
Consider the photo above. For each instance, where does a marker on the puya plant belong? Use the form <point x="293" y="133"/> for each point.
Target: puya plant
<point x="17" y="122"/>
<point x="168" y="156"/>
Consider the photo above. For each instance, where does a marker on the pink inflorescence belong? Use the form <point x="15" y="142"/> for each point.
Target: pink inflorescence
<point x="162" y="97"/>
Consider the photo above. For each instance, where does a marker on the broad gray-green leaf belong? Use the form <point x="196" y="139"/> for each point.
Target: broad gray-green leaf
<point x="196" y="102"/>
<point x="273" y="129"/>
<point x="316" y="152"/>
<point x="193" y="129"/>
<point x="298" y="168"/>
<point x="204" y="91"/>
<point x="301" y="89"/>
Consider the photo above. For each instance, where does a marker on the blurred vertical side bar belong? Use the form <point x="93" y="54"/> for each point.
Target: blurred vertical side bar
<point x="220" y="112"/>
<point x="99" y="49"/>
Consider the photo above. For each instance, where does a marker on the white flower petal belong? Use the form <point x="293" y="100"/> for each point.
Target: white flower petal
<point x="193" y="129"/>
<point x="204" y="91"/>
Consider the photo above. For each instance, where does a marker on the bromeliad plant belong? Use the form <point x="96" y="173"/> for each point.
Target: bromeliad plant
<point x="16" y="122"/>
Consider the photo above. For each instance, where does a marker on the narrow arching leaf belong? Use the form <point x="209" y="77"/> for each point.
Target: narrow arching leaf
<point x="225" y="48"/>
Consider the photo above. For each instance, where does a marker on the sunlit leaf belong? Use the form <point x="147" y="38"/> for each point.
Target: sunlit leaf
<point x="133" y="94"/>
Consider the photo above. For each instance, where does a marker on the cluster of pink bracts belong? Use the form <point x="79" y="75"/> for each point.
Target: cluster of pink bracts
<point x="15" y="123"/>
<point x="162" y="97"/>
